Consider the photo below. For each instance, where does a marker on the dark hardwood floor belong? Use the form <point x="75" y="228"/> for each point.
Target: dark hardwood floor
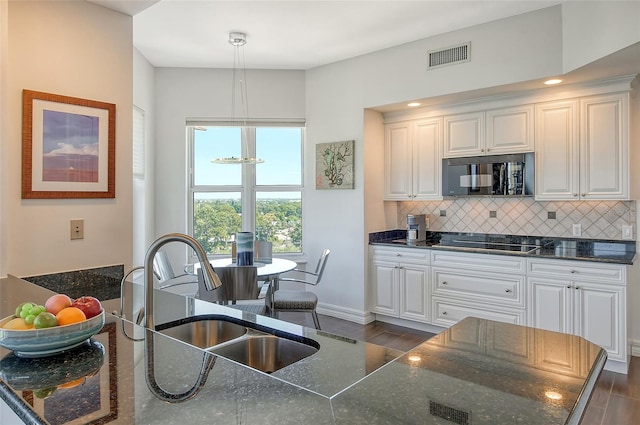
<point x="615" y="401"/>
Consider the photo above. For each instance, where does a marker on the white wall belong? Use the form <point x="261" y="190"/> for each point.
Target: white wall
<point x="521" y="48"/>
<point x="75" y="49"/>
<point x="592" y="30"/>
<point x="200" y="93"/>
<point x="143" y="187"/>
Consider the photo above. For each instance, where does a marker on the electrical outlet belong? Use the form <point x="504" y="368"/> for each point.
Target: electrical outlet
<point x="77" y="229"/>
<point x="577" y="230"/>
<point x="627" y="232"/>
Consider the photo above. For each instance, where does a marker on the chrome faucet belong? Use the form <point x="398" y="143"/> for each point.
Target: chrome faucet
<point x="211" y="279"/>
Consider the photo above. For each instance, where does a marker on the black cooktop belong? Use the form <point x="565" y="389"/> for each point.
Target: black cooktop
<point x="523" y="244"/>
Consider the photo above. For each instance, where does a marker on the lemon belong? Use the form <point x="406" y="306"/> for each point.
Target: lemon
<point x="17" y="324"/>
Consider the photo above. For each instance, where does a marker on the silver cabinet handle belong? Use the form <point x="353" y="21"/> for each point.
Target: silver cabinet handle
<point x="445" y="282"/>
<point x="444" y="313"/>
<point x="398" y="255"/>
<point x="575" y="195"/>
<point x="507" y="290"/>
<point x="572" y="271"/>
<point x="488" y="149"/>
<point x="481" y="150"/>
<point x="568" y="286"/>
<point x="577" y="287"/>
<point x="583" y="194"/>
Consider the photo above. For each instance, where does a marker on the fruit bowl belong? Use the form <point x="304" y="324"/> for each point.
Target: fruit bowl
<point x="49" y="341"/>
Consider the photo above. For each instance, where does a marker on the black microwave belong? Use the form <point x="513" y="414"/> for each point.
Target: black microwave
<point x="493" y="175"/>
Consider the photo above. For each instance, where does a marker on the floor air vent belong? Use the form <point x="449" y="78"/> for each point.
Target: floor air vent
<point x="449" y="56"/>
<point x="449" y="413"/>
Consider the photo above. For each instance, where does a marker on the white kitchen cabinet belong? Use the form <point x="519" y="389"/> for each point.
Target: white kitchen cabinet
<point x="412" y="160"/>
<point x="510" y="130"/>
<point x="494" y="132"/>
<point x="587" y="299"/>
<point x="400" y="283"/>
<point x="582" y="148"/>
<point x="464" y="135"/>
<point x="486" y="286"/>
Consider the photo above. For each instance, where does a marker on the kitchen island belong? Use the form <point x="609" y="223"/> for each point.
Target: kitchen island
<point x="475" y="372"/>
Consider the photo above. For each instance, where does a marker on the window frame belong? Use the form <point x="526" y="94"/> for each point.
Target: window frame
<point x="248" y="188"/>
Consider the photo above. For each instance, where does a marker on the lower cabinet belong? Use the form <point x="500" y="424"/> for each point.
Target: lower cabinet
<point x="443" y="287"/>
<point x="400" y="281"/>
<point x="479" y="285"/>
<point x="571" y="300"/>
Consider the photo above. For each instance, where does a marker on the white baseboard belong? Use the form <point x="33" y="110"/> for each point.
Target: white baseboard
<point x="635" y="347"/>
<point x="409" y="324"/>
<point x="350" y="314"/>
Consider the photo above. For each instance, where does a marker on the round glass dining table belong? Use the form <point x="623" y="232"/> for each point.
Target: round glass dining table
<point x="265" y="271"/>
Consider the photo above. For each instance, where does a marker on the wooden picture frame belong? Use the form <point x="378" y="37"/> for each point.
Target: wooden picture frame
<point x="68" y="147"/>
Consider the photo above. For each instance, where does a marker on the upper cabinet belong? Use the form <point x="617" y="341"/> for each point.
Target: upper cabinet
<point x="412" y="160"/>
<point x="582" y="148"/>
<point x="494" y="132"/>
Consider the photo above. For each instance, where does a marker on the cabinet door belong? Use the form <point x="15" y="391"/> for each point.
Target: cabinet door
<point x="414" y="297"/>
<point x="464" y="135"/>
<point x="600" y="317"/>
<point x="510" y="130"/>
<point x="385" y="287"/>
<point x="557" y="150"/>
<point x="604" y="151"/>
<point x="550" y="304"/>
<point x="427" y="159"/>
<point x="397" y="162"/>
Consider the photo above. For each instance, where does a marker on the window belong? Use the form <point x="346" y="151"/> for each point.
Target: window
<point x="264" y="198"/>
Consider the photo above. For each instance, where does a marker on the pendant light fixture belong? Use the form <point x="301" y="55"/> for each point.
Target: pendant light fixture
<point x="237" y="40"/>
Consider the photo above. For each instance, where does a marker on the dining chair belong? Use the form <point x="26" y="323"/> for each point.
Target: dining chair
<point x="182" y="284"/>
<point x="240" y="289"/>
<point x="278" y="300"/>
<point x="263" y="251"/>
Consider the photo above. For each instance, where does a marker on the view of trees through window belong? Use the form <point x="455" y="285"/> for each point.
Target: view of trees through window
<point x="262" y="198"/>
<point x="215" y="223"/>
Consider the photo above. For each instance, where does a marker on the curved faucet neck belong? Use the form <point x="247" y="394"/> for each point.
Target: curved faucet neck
<point x="211" y="280"/>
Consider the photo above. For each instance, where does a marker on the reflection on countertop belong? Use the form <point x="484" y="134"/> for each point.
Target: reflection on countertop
<point x="609" y="251"/>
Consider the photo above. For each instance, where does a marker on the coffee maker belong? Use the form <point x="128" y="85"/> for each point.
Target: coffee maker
<point x="416" y="228"/>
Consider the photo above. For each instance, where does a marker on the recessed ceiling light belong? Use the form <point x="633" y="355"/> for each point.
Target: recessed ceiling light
<point x="553" y="81"/>
<point x="413" y="104"/>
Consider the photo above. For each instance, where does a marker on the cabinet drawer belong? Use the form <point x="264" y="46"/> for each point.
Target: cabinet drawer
<point x="447" y="312"/>
<point x="577" y="270"/>
<point x="483" y="287"/>
<point x="404" y="255"/>
<point x="476" y="262"/>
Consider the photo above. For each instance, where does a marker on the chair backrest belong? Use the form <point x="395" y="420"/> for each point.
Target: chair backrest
<point x="238" y="283"/>
<point x="322" y="262"/>
<point x="263" y="251"/>
<point x="162" y="266"/>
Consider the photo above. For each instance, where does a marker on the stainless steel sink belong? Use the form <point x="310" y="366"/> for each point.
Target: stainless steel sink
<point x="206" y="333"/>
<point x="256" y="346"/>
<point x="266" y="353"/>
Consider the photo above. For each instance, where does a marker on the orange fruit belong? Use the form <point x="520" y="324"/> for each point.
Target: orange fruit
<point x="73" y="383"/>
<point x="70" y="315"/>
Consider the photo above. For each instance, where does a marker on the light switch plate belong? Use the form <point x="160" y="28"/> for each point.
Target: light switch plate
<point x="627" y="232"/>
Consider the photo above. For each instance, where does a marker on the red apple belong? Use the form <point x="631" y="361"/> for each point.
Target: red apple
<point x="90" y="306"/>
<point x="57" y="302"/>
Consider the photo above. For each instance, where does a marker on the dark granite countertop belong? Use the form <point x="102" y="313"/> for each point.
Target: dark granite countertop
<point x="605" y="251"/>
<point x="490" y="371"/>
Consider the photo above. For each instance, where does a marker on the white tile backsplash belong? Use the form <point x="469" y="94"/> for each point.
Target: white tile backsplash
<point x="525" y="216"/>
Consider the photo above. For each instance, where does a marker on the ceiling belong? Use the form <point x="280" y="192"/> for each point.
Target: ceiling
<point x="296" y="34"/>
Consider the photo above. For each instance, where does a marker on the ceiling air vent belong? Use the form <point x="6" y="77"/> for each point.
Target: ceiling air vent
<point x="449" y="56"/>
